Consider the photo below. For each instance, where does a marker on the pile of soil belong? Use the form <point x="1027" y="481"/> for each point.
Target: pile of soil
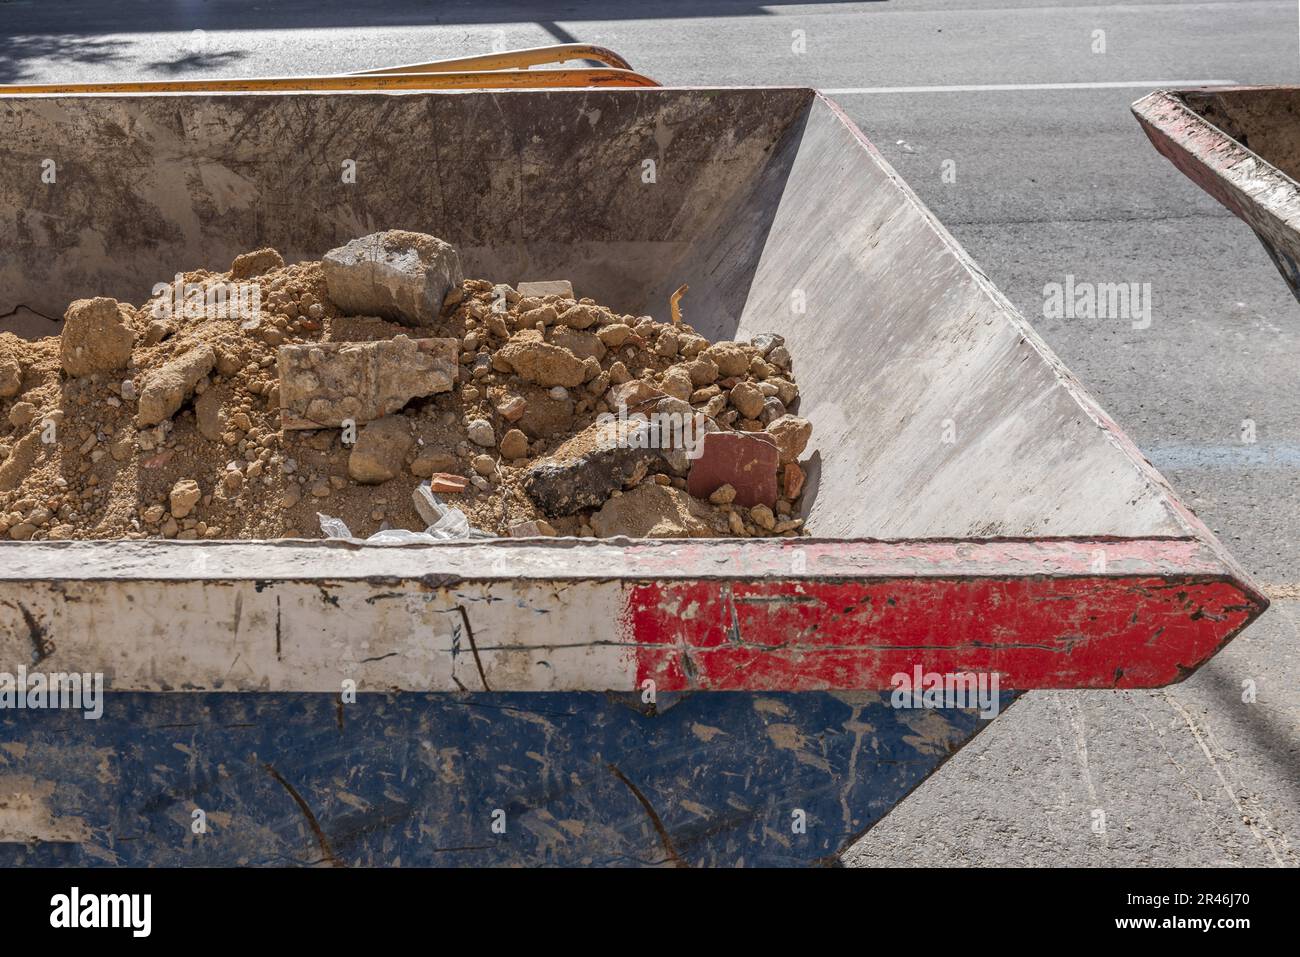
<point x="134" y="423"/>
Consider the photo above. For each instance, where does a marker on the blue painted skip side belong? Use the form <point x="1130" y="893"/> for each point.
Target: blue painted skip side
<point x="415" y="779"/>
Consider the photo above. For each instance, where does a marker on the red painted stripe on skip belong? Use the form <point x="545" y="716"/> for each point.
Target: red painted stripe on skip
<point x="1098" y="632"/>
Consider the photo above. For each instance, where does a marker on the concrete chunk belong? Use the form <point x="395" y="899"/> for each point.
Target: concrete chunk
<point x="536" y="528"/>
<point x="165" y="390"/>
<point x="395" y="274"/>
<point x="550" y="287"/>
<point x="323" y="384"/>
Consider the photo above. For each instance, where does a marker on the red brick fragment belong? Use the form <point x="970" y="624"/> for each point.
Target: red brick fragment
<point x="745" y="461"/>
<point x="793" y="478"/>
<point x="447" y="483"/>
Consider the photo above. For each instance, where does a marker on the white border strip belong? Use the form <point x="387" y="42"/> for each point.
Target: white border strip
<point x="1015" y="87"/>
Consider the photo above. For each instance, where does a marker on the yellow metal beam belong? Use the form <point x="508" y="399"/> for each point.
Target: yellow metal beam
<point x="513" y="60"/>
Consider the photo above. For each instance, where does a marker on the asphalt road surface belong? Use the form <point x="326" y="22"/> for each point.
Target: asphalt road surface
<point x="1053" y="177"/>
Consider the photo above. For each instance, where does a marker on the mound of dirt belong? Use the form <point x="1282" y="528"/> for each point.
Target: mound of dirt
<point x="240" y="404"/>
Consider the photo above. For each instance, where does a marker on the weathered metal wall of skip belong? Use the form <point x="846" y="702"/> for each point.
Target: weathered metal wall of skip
<point x="415" y="779"/>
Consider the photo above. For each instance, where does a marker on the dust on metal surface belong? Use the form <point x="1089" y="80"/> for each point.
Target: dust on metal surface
<point x="420" y="780"/>
<point x="695" y="615"/>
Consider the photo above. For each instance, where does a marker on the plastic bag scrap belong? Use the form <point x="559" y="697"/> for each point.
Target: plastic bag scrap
<point x="447" y="524"/>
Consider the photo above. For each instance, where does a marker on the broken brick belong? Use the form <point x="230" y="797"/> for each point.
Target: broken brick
<point x="447" y="483"/>
<point x="792" y="481"/>
<point x="745" y="461"/>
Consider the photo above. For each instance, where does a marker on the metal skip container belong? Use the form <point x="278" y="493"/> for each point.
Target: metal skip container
<point x="1242" y="146"/>
<point x="562" y="701"/>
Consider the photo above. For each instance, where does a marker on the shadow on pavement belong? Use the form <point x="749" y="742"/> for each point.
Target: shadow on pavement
<point x="67" y="49"/>
<point x="71" y="30"/>
<point x="197" y="61"/>
<point x="1279" y="743"/>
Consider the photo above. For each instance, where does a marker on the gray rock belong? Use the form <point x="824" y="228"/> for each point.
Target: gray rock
<point x="773" y="409"/>
<point x="428" y="514"/>
<point x="765" y="342"/>
<point x="480" y="433"/>
<point x="677" y="460"/>
<point x="395" y="274"/>
<point x="671" y="406"/>
<point x="584" y="470"/>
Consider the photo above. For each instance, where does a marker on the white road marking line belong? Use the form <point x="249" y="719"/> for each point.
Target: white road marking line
<point x="1015" y="87"/>
<point x="1262" y="455"/>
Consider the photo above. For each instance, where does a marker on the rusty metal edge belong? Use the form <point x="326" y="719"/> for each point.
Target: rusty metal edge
<point x="1243" y="182"/>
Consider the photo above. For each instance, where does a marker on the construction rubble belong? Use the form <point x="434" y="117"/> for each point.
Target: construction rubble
<point x="381" y="390"/>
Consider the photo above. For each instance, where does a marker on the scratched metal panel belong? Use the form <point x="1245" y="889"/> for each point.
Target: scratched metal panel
<point x="544" y="182"/>
<point x="412" y="779"/>
<point x="1242" y="146"/>
<point x="559" y="616"/>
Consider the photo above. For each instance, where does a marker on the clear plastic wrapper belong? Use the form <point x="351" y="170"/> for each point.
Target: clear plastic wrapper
<point x="446" y="524"/>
